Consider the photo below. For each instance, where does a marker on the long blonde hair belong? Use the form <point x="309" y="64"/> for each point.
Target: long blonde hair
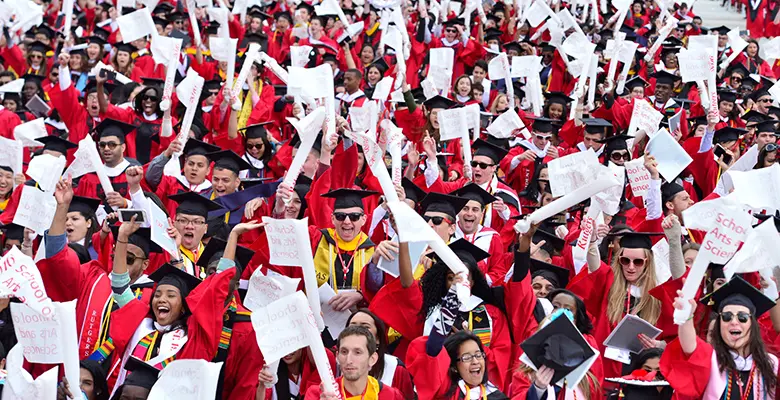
<point x="649" y="308"/>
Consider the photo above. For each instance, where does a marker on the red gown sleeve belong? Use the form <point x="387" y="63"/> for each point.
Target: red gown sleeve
<point x="243" y="364"/>
<point x="399" y="308"/>
<point x="687" y="374"/>
<point x="433" y="371"/>
<point x="73" y="114"/>
<point x="204" y="326"/>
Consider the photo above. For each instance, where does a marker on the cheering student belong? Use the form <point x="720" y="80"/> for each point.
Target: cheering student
<point x="523" y="160"/>
<point x="111" y="144"/>
<point x="736" y="364"/>
<point x="188" y="227"/>
<point x="79" y="119"/>
<point x="357" y="354"/>
<point x="93" y="385"/>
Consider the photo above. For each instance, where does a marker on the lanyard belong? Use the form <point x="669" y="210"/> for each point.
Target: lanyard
<point x="344" y="266"/>
<point x="482" y="392"/>
<point x="743" y="395"/>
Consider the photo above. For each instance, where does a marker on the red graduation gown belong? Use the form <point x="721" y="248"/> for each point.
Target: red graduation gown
<point x="8" y="121"/>
<point x="385" y="392"/>
<point x="73" y="114"/>
<point x="89" y="185"/>
<point x="151" y="133"/>
<point x="244" y="362"/>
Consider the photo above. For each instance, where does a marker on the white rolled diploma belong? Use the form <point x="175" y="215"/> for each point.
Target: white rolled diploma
<point x="94" y="159"/>
<point x="323" y="368"/>
<point x="456" y="266"/>
<point x="280" y="72"/>
<point x="603" y="183"/>
<point x="385" y="182"/>
<point x="663" y="34"/>
<point x="690" y="287"/>
<point x="194" y="22"/>
<point x="705" y="98"/>
<point x="731" y="58"/>
<point x="189" y="114"/>
<point x="170" y="76"/>
<point x="303" y="150"/>
<point x="274" y="368"/>
<point x="309" y="277"/>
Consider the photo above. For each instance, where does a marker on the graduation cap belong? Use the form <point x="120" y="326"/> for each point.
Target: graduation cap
<point x="216" y="247"/>
<point x="196" y="147"/>
<point x="665" y="78"/>
<point x="112" y="127"/>
<point x="160" y="21"/>
<point x="634" y="82"/>
<point x="381" y="64"/>
<point x="557" y="98"/>
<point x="596" y="125"/>
<point x="552" y="243"/>
<point x="468" y="252"/>
<point x="616" y="142"/>
<point x="162" y="8"/>
<point x="329" y="57"/>
<point x="13" y="231"/>
<point x="472" y="191"/>
<point x="722" y="30"/>
<point x="56" y="143"/>
<point x="739" y="292"/>
<point x="728" y="134"/>
<point x="543" y="125"/>
<point x="283" y="14"/>
<point x="170" y="275"/>
<point x="141" y="373"/>
<point x="256" y="131"/>
<point x="438" y="102"/>
<point x="559" y="346"/>
<point x="738" y="68"/>
<point x="450" y="23"/>
<point x="39" y="47"/>
<point x="37" y="79"/>
<point x="194" y="204"/>
<point x="491" y="151"/>
<point x="559" y="277"/>
<point x="727" y="96"/>
<point x="701" y="120"/>
<point x="493" y="34"/>
<point x="176" y="16"/>
<point x="108" y="87"/>
<point x="443" y="203"/>
<point x="640" y="384"/>
<point x="306" y="6"/>
<point x="44" y="29"/>
<point x="775" y="217"/>
<point x="413" y="192"/>
<point x="637" y="240"/>
<point x="766" y="126"/>
<point x="84" y="205"/>
<point x="295" y="141"/>
<point x="348" y="198"/>
<point x="254" y="37"/>
<point x="155" y="82"/>
<point x="98" y="40"/>
<point x="142" y="238"/>
<point x="126" y="47"/>
<point x="512" y="46"/>
<point x="669" y="190"/>
<point x="754" y="116"/>
<point x="229" y="160"/>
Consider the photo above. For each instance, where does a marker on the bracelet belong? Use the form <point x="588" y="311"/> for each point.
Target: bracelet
<point x="125" y="242"/>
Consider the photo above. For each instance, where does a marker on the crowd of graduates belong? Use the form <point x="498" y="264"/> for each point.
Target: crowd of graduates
<point x="409" y="334"/>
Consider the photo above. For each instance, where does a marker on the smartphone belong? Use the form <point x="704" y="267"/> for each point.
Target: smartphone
<point x="720" y="151"/>
<point x="125" y="215"/>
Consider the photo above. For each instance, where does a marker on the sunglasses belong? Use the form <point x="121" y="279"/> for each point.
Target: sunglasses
<point x="541" y="137"/>
<point x="436" y="220"/>
<point x="110" y="145"/>
<point x="147" y="97"/>
<point x="764" y="100"/>
<point x="354" y="217"/>
<point x="638" y="262"/>
<point x="130" y="258"/>
<point x="257" y="146"/>
<point x="475" y="164"/>
<point x="36" y="57"/>
<point x="451" y="30"/>
<point x="618" y="156"/>
<point x="736" y="78"/>
<point x="742" y="316"/>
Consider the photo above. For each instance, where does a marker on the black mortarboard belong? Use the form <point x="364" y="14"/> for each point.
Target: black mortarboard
<point x="84" y="205"/>
<point x="727" y="95"/>
<point x="766" y="126"/>
<point x="228" y="159"/>
<point x="170" y="275"/>
<point x="559" y="346"/>
<point x="722" y="30"/>
<point x="727" y="134"/>
<point x="702" y="120"/>
<point x="443" y="203"/>
<point x="637" y="240"/>
<point x="493" y="152"/>
<point x="636" y="81"/>
<point x="412" y="191"/>
<point x="108" y="87"/>
<point x="438" y="102"/>
<point x="295" y="141"/>
<point x="176" y="16"/>
<point x="126" y="47"/>
<point x="196" y="147"/>
<point x="760" y="92"/>
<point x="454" y="21"/>
<point x="472" y="191"/>
<point x="775" y="217"/>
<point x="557" y="98"/>
<point x="112" y="127"/>
<point x="38" y="79"/>
<point x="617" y="142"/>
<point x="156" y="82"/>
<point x="141" y="238"/>
<point x="256" y="131"/>
<point x="217" y="246"/>
<point x="283" y="14"/>
<point x="98" y="40"/>
<point x="254" y="37"/>
<point x="162" y="8"/>
<point x="39" y="46"/>
<point x="253" y="188"/>
<point x="753" y="116"/>
<point x="329" y="57"/>
<point x="13" y="231"/>
<point x="739" y="292"/>
<point x="738" y="68"/>
<point x="193" y="204"/>
<point x="348" y="198"/>
<point x="56" y="143"/>
<point x="558" y="276"/>
<point x="544" y="125"/>
<point x="669" y="190"/>
<point x="493" y="34"/>
<point x="45" y="30"/>
<point x="141" y="373"/>
<point x="160" y="21"/>
<point x="552" y="242"/>
<point x="665" y="78"/>
<point x="468" y="252"/>
<point x="380" y="63"/>
<point x="306" y="6"/>
<point x="596" y="125"/>
<point x="512" y="46"/>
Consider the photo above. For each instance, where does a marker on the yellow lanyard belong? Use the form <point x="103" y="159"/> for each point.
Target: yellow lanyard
<point x="482" y="392"/>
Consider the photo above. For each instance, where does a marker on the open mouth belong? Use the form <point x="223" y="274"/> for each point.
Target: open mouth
<point x="476" y="371"/>
<point x="735" y="333"/>
<point x="163" y="312"/>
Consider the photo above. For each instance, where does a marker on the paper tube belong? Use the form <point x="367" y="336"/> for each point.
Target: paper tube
<point x="623" y="75"/>
<point x="671" y="22"/>
<point x="274" y="368"/>
<point x="705" y="99"/>
<point x="378" y="168"/>
<point x="594" y="69"/>
<point x="280" y="72"/>
<point x="67" y="7"/>
<point x="323" y="367"/>
<point x="94" y="159"/>
<point x="605" y="182"/>
<point x="309" y="277"/>
<point x="307" y="140"/>
<point x="580" y="88"/>
<point x="194" y="22"/>
<point x="189" y="114"/>
<point x="170" y="76"/>
<point x="613" y="63"/>
<point x="244" y="73"/>
<point x="690" y="287"/>
<point x="731" y="58"/>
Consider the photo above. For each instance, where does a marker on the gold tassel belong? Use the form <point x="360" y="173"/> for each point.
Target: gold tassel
<point x="621" y="395"/>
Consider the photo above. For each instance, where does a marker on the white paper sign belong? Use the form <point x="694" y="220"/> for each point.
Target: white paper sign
<point x="334" y="320"/>
<point x="136" y="25"/>
<point x="36" y="209"/>
<point x="638" y="177"/>
<point x="663" y="271"/>
<point x="759" y="251"/>
<point x="187" y="379"/>
<point x="29" y="131"/>
<point x="39" y="335"/>
<point x="644" y="117"/>
<point x="159" y="230"/>
<point x="163" y="48"/>
<point x="11" y="154"/>
<point x="696" y="65"/>
<point x="671" y="157"/>
<point x="285" y="326"/>
<point x="46" y="169"/>
<point x="609" y="200"/>
<point x="283" y="245"/>
<point x="731" y="227"/>
<point x="264" y="290"/>
<point x="572" y="172"/>
<point x="20" y="384"/>
<point x="757" y="188"/>
<point x="525" y="66"/>
<point x="504" y="126"/>
<point x="453" y="124"/>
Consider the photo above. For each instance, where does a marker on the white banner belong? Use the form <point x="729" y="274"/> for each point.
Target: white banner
<point x="187" y="379"/>
<point x="36" y="209"/>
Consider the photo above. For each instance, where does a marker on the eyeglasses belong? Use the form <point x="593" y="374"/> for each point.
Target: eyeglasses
<point x="475" y="164"/>
<point x="468" y="357"/>
<point x="764" y="100"/>
<point x="543" y="137"/>
<point x="147" y="97"/>
<point x="213" y="93"/>
<point x="341" y="217"/>
<point x="451" y="30"/>
<point x="436" y="220"/>
<point x="638" y="262"/>
<point x="194" y="222"/>
<point x="130" y="258"/>
<point x="742" y="316"/>
<point x="736" y="78"/>
<point x="110" y="145"/>
<point x="36" y="56"/>
<point x="258" y="146"/>
<point x="618" y="156"/>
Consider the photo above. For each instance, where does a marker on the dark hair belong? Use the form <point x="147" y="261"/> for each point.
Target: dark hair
<point x="452" y="345"/>
<point x="546" y="110"/>
<point x="354" y="71"/>
<point x="268" y="150"/>
<point x="434" y="287"/>
<point x="757" y="350"/>
<point x="98" y="378"/>
<point x="581" y="319"/>
<point x="138" y="101"/>
<point x="482" y="64"/>
<point x="356" y="330"/>
<point x="122" y="93"/>
<point x="640" y="358"/>
<point x="381" y="341"/>
<point x="90" y="216"/>
<point x="757" y="57"/>
<point x="532" y="191"/>
<point x="762" y="157"/>
<point x="81" y="252"/>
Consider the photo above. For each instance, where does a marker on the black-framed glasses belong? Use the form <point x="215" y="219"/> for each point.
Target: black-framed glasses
<point x="341" y="216"/>
<point x="436" y="220"/>
<point x="475" y="164"/>
<point x="110" y="145"/>
<point x="742" y="316"/>
<point x="468" y="357"/>
<point x="618" y="156"/>
<point x="451" y="30"/>
<point x="764" y="100"/>
<point x="130" y="258"/>
<point x="258" y="146"/>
